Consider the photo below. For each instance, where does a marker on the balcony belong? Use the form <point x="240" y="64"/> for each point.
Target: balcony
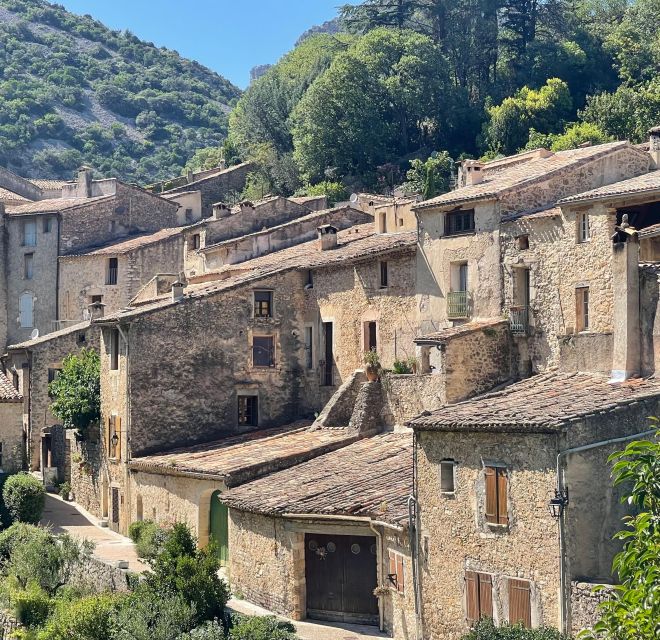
<point x="519" y="319"/>
<point x="458" y="305"/>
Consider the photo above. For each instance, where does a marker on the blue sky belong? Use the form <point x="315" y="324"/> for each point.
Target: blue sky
<point x="228" y="36"/>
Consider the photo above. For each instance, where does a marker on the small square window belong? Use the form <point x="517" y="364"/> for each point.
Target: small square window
<point x="248" y="411"/>
<point x="263" y="351"/>
<point x="52" y="375"/>
<point x="447" y="476"/>
<point x="196" y="241"/>
<point x="523" y="242"/>
<point x="47" y="225"/>
<point x="263" y="304"/>
<point x="96" y="299"/>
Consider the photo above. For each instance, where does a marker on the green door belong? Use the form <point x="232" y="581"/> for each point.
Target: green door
<point x="219" y="527"/>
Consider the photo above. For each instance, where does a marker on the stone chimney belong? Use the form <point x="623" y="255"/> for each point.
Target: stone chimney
<point x="472" y="172"/>
<point x="84" y="183"/>
<point x="190" y="176"/>
<point x="96" y="310"/>
<point x="223" y="164"/>
<point x="177" y="290"/>
<point x="626" y="357"/>
<point x="327" y="237"/>
<point x="220" y="210"/>
<point x="654" y="145"/>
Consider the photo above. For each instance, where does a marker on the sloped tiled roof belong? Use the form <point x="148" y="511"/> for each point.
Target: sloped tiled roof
<point x="354" y="244"/>
<point x="7" y="391"/>
<point x="647" y="182"/>
<point x="130" y="244"/>
<point x="47" y="337"/>
<point x="6" y="194"/>
<point x="54" y="205"/>
<point x="48" y="184"/>
<point x="244" y="457"/>
<point x="546" y="212"/>
<point x="370" y="478"/>
<point x="445" y="335"/>
<point x="496" y="183"/>
<point x="544" y="403"/>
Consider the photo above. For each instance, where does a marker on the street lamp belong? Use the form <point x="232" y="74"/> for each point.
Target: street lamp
<point x="558" y="503"/>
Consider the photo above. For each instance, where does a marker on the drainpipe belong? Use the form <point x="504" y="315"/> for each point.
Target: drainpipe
<point x="381" y="604"/>
<point x="562" y="535"/>
<point x="127" y="484"/>
<point x="413" y="529"/>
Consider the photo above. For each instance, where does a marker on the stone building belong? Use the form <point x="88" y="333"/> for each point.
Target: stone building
<point x="12" y="442"/>
<point x="274" y="337"/>
<point x="89" y="213"/>
<point x="328" y="539"/>
<point x="32" y="365"/>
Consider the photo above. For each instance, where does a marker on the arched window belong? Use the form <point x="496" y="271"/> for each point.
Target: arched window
<point x="26" y="310"/>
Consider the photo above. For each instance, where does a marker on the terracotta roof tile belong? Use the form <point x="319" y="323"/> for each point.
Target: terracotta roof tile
<point x="130" y="244"/>
<point x="6" y="194"/>
<point x="544" y="403"/>
<point x="445" y="335"/>
<point x="48" y="184"/>
<point x="546" y="212"/>
<point x="27" y="344"/>
<point x="370" y="478"/>
<point x="7" y="391"/>
<point x="647" y="182"/>
<point x="496" y="183"/>
<point x="240" y="458"/>
<point x="53" y="205"/>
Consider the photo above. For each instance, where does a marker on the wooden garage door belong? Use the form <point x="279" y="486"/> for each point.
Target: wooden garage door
<point x="340" y="572"/>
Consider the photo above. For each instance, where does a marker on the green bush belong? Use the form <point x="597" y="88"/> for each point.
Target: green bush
<point x="485" y="629"/>
<point x="89" y="618"/>
<point x="401" y="367"/>
<point x="261" y="628"/>
<point x="24" y="497"/>
<point x="31" y="607"/>
<point x="64" y="490"/>
<point x="208" y="631"/>
<point x="136" y="528"/>
<point x="150" y="538"/>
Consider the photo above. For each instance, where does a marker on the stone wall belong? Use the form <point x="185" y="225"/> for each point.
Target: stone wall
<point x="338" y="410"/>
<point x="649" y="291"/>
<point x="8" y="624"/>
<point x="584" y="604"/>
<point x="11" y="436"/>
<point x="88" y="471"/>
<point x="21" y="186"/>
<point x="97" y="576"/>
<point x="408" y="395"/>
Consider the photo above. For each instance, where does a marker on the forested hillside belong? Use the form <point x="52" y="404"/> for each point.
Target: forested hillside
<point x="72" y="91"/>
<point x="410" y="79"/>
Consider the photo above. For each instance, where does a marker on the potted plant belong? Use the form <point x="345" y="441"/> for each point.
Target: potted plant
<point x="413" y="364"/>
<point x="372" y="362"/>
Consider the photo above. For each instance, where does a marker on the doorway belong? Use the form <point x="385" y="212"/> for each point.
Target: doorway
<point x="340" y="574"/>
<point x="370" y="336"/>
<point x="219" y="527"/>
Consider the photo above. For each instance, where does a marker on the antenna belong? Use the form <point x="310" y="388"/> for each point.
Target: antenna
<point x="34" y="334"/>
<point x="354" y="198"/>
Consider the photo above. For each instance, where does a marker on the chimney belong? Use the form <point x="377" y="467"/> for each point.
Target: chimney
<point x="472" y="172"/>
<point x="327" y="237"/>
<point x="626" y="361"/>
<point x="223" y="164"/>
<point x="96" y="310"/>
<point x="654" y="145"/>
<point x="84" y="183"/>
<point x="220" y="210"/>
<point x="177" y="290"/>
<point x="190" y="176"/>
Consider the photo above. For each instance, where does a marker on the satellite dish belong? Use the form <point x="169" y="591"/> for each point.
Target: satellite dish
<point x="34" y="334"/>
<point x="354" y="197"/>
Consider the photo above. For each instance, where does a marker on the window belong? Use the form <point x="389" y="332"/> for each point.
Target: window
<point x="47" y="224"/>
<point x="447" y="476"/>
<point x="309" y="347"/>
<point x="248" y="411"/>
<point x="114" y="437"/>
<point x="189" y="215"/>
<point x="111" y="276"/>
<point x="459" y="222"/>
<point x="522" y="242"/>
<point x="478" y="596"/>
<point x="370" y="336"/>
<point x="309" y="279"/>
<point x="520" y="602"/>
<point x="584" y="231"/>
<point x="462" y="277"/>
<point x="263" y="304"/>
<point x="496" y="495"/>
<point x="30" y="234"/>
<point x="196" y="241"/>
<point x="383" y="222"/>
<point x="114" y="349"/>
<point x="582" y="309"/>
<point x="28" y="266"/>
<point x="26" y="310"/>
<point x="263" y="351"/>
<point x="383" y="275"/>
<point x="81" y="338"/>
<point x="96" y="299"/>
<point x="52" y="374"/>
<point x="396" y="574"/>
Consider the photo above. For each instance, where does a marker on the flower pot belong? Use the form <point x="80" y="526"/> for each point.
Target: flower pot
<point x="372" y="372"/>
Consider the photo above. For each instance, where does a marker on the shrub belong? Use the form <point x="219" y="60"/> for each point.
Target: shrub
<point x="24" y="497"/>
<point x="136" y="528"/>
<point x="208" y="631"/>
<point x="89" y="618"/>
<point x="31" y="606"/>
<point x="401" y="367"/>
<point x="485" y="629"/>
<point x="372" y="358"/>
<point x="261" y="628"/>
<point x="150" y="538"/>
<point x="65" y="490"/>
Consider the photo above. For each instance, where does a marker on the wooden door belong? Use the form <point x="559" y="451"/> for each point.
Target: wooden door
<point x="219" y="533"/>
<point x="115" y="505"/>
<point x="340" y="573"/>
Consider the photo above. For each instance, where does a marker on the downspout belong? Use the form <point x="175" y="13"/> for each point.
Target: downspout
<point x="127" y="484"/>
<point x="57" y="272"/>
<point x="413" y="529"/>
<point x="381" y="603"/>
<point x="562" y="535"/>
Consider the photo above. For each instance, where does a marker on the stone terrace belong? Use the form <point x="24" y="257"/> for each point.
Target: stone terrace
<point x="240" y="458"/>
<point x="371" y="478"/>
<point x="544" y="403"/>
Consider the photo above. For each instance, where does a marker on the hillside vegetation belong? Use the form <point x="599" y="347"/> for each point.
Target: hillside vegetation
<point x="72" y="91"/>
<point x="408" y="80"/>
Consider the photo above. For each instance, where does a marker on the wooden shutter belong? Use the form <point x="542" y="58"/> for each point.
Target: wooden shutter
<point x="400" y="581"/>
<point x="392" y="570"/>
<point x="118" y="432"/>
<point x="502" y="510"/>
<point x="485" y="595"/>
<point x="472" y="596"/>
<point x="491" y="495"/>
<point x="109" y="436"/>
<point x="520" y="605"/>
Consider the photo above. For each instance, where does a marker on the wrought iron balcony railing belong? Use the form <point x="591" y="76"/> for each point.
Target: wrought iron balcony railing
<point x="458" y="305"/>
<point x="519" y="319"/>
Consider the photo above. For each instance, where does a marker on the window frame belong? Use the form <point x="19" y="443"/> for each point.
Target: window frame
<point x="467" y="222"/>
<point x="112" y="272"/>
<point x="114" y="339"/>
<point x="247" y="411"/>
<point x="271" y="363"/>
<point x="583" y="227"/>
<point x="196" y="241"/>
<point x="25" y="243"/>
<point x="582" y="316"/>
<point x="258" y="310"/>
<point x="448" y="464"/>
<point x="483" y="604"/>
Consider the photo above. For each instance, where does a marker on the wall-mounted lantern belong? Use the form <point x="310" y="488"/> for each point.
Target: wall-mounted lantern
<point x="558" y="503"/>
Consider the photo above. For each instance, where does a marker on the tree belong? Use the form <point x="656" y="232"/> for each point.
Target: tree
<point x="76" y="391"/>
<point x="334" y="191"/>
<point x="574" y="135"/>
<point x="430" y="177"/>
<point x="24" y="497"/>
<point x="634" y="610"/>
